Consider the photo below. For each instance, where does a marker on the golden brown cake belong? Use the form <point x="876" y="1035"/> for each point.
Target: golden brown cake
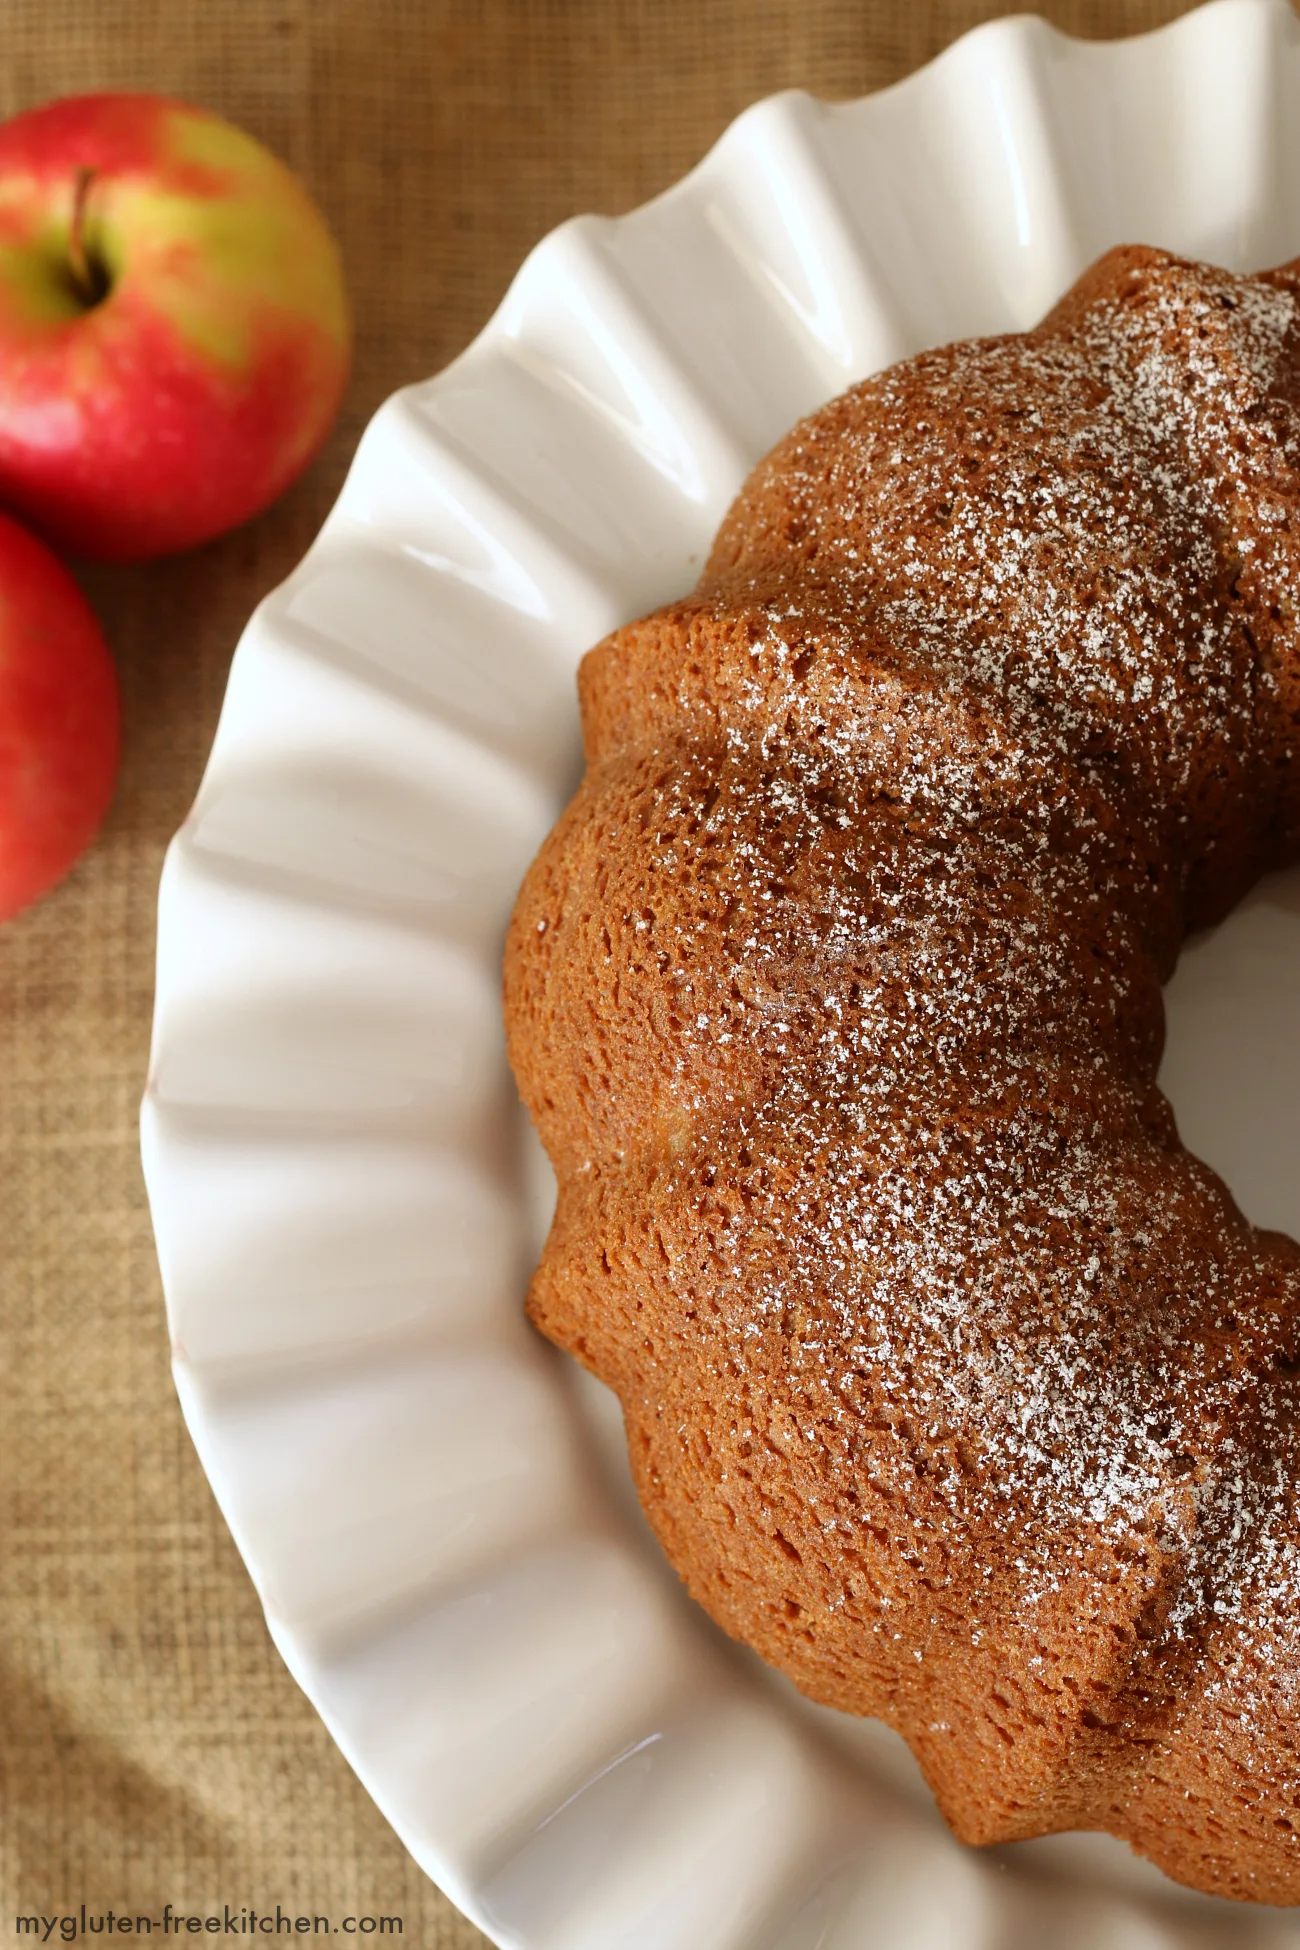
<point x="953" y="1383"/>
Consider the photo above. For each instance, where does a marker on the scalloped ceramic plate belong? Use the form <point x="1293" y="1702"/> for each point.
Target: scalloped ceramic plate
<point x="432" y="1506"/>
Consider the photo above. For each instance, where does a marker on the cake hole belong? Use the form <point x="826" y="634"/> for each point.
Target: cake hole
<point x="1231" y="1067"/>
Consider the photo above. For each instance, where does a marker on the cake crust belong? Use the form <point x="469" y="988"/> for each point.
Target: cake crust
<point x="953" y="1384"/>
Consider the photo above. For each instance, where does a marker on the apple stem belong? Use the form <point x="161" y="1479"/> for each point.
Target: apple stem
<point x="87" y="274"/>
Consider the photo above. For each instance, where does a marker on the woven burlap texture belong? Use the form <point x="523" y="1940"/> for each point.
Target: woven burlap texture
<point x="152" y="1747"/>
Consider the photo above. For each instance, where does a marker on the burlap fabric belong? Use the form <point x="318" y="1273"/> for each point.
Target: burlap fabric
<point x="152" y="1748"/>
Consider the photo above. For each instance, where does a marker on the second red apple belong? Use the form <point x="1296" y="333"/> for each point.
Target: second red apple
<point x="58" y="720"/>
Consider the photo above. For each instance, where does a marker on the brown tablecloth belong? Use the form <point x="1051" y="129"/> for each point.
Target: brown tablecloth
<point x="152" y="1747"/>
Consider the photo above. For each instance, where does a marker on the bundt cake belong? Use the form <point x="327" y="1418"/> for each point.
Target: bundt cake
<point x="953" y="1384"/>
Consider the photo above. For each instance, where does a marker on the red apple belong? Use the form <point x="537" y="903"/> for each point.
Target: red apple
<point x="58" y="720"/>
<point x="174" y="333"/>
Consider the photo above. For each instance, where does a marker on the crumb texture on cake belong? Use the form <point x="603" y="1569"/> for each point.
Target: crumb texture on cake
<point x="953" y="1383"/>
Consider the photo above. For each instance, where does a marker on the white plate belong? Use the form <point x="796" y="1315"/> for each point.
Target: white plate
<point x="432" y="1506"/>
